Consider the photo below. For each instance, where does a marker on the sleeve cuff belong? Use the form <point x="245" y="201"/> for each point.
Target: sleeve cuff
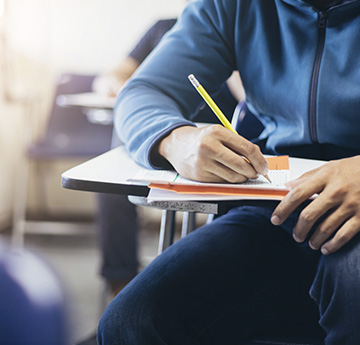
<point x="157" y="161"/>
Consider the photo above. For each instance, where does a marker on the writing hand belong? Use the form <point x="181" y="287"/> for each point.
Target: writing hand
<point x="337" y="184"/>
<point x="212" y="154"/>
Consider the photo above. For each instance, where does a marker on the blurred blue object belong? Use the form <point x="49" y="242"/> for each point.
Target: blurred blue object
<point x="32" y="304"/>
<point x="246" y="123"/>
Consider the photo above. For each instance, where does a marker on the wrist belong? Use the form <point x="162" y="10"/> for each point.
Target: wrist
<point x="170" y="144"/>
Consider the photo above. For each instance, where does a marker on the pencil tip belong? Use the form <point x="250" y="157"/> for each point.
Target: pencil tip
<point x="267" y="177"/>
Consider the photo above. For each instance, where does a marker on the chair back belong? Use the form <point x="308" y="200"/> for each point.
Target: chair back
<point x="69" y="133"/>
<point x="246" y="123"/>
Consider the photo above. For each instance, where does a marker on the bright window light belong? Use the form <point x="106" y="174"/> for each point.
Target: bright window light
<point x="2" y="7"/>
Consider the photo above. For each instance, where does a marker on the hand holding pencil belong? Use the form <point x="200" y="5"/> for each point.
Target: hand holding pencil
<point x="212" y="154"/>
<point x="223" y="119"/>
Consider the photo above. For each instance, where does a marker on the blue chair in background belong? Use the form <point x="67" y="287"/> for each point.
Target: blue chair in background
<point x="246" y="123"/>
<point x="68" y="135"/>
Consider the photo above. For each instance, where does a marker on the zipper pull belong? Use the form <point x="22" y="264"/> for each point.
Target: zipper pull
<point x="322" y="19"/>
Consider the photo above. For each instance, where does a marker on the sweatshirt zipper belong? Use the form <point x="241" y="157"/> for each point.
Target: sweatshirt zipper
<point x="315" y="75"/>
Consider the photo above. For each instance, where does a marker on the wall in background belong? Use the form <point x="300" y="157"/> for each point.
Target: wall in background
<point x="83" y="35"/>
<point x="42" y="39"/>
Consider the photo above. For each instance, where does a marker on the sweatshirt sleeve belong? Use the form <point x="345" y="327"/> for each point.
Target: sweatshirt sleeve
<point x="159" y="97"/>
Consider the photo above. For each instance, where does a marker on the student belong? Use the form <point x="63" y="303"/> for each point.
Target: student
<point x="293" y="265"/>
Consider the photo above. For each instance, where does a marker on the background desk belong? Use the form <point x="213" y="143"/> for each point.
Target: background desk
<point x="97" y="108"/>
<point x="86" y="99"/>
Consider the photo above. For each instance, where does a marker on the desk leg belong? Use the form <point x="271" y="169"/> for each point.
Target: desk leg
<point x="188" y="223"/>
<point x="167" y="230"/>
<point x="20" y="203"/>
<point x="210" y="218"/>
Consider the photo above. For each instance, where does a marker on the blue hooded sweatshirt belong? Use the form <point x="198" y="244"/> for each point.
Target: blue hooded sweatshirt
<point x="300" y="68"/>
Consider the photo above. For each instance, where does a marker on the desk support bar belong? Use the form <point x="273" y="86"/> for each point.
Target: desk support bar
<point x="167" y="230"/>
<point x="188" y="223"/>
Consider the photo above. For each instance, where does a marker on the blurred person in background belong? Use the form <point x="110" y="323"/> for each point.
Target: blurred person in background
<point x="117" y="217"/>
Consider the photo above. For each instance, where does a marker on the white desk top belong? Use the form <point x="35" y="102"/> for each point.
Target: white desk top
<point x="107" y="173"/>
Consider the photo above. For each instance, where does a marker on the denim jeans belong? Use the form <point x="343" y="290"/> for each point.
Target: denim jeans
<point x="234" y="278"/>
<point x="118" y="227"/>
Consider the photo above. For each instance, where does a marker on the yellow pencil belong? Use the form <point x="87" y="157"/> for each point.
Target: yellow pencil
<point x="216" y="110"/>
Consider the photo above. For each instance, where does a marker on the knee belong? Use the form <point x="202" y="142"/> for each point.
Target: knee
<point x="118" y="321"/>
<point x="338" y="274"/>
<point x="336" y="290"/>
<point x="128" y="318"/>
<point x="110" y="324"/>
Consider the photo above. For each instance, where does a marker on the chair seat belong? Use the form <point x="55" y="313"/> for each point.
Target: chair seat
<point x="63" y="145"/>
<point x="68" y="135"/>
